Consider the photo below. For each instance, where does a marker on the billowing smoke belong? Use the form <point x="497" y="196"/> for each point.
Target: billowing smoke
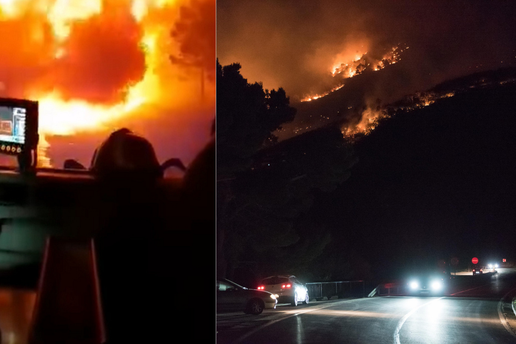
<point x="294" y="44"/>
<point x="104" y="56"/>
<point x="96" y="62"/>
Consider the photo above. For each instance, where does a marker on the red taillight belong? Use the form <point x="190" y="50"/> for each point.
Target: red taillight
<point x="286" y="286"/>
<point x="261" y="287"/>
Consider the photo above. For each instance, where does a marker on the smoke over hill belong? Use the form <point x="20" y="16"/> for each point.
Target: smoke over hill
<point x="296" y="45"/>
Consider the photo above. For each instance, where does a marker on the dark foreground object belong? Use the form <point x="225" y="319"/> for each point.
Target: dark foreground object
<point x="153" y="239"/>
<point x="148" y="264"/>
<point x="151" y="248"/>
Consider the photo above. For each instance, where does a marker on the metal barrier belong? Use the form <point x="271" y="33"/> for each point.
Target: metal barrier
<point x="340" y="289"/>
<point x="392" y="288"/>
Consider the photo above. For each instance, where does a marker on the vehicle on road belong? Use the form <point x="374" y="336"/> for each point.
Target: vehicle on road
<point x="234" y="297"/>
<point x="427" y="284"/>
<point x="288" y="288"/>
<point x="492" y="268"/>
<point x="478" y="270"/>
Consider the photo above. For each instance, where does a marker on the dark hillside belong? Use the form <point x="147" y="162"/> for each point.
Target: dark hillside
<point x="433" y="183"/>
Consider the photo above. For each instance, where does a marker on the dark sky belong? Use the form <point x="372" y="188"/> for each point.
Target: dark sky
<point x="293" y="44"/>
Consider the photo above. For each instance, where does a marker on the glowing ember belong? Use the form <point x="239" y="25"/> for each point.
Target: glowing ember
<point x="317" y="96"/>
<point x="89" y="63"/>
<point x="370" y="117"/>
<point x="368" y="122"/>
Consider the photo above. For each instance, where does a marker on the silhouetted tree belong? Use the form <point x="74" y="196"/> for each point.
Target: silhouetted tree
<point x="262" y="186"/>
<point x="195" y="33"/>
<point x="247" y="115"/>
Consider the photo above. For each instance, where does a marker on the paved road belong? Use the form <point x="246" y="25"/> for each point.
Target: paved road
<point x="473" y="314"/>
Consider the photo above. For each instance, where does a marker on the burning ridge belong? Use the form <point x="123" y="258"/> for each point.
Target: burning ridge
<point x="361" y="64"/>
<point x="370" y="117"/>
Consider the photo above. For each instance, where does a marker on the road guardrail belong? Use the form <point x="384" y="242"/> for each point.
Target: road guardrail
<point x="339" y="289"/>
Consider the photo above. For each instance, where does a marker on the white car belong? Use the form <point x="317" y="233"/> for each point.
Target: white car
<point x="234" y="297"/>
<point x="288" y="288"/>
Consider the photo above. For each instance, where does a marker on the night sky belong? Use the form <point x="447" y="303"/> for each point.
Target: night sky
<point x="431" y="184"/>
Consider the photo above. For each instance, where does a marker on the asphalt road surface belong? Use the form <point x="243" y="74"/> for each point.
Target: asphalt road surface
<point x="475" y="310"/>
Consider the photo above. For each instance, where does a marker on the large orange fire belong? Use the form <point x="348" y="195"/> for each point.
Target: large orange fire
<point x="366" y="119"/>
<point x="93" y="64"/>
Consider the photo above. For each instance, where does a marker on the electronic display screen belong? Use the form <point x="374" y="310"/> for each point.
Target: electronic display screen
<point x="12" y="128"/>
<point x="19" y="127"/>
<point x="12" y="124"/>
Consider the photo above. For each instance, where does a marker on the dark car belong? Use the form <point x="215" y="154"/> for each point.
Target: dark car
<point x="234" y="297"/>
<point x="479" y="270"/>
<point x="428" y="283"/>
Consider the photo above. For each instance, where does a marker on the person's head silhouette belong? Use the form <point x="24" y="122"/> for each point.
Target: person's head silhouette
<point x="124" y="152"/>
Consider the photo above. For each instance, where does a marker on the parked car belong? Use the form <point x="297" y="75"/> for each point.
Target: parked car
<point x="288" y="288"/>
<point x="233" y="297"/>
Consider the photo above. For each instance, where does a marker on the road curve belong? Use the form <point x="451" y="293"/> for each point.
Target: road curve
<point x="468" y="316"/>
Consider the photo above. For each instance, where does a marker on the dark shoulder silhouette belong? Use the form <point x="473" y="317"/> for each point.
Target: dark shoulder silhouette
<point x="199" y="184"/>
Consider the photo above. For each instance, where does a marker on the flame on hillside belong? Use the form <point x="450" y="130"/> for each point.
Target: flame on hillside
<point x="91" y="63"/>
<point x="368" y="122"/>
<point x="365" y="62"/>
<point x="317" y="96"/>
<point x="360" y="64"/>
<point x="370" y="117"/>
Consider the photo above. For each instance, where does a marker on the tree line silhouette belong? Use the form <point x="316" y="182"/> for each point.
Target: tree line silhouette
<point x="264" y="186"/>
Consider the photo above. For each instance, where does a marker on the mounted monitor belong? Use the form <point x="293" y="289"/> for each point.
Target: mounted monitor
<point x="19" y="130"/>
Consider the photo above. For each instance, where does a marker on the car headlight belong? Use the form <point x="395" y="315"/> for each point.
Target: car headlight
<point x="436" y="285"/>
<point x="274" y="296"/>
<point x="414" y="285"/>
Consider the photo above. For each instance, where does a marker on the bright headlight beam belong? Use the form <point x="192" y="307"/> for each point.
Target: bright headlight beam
<point x="436" y="285"/>
<point x="414" y="285"/>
